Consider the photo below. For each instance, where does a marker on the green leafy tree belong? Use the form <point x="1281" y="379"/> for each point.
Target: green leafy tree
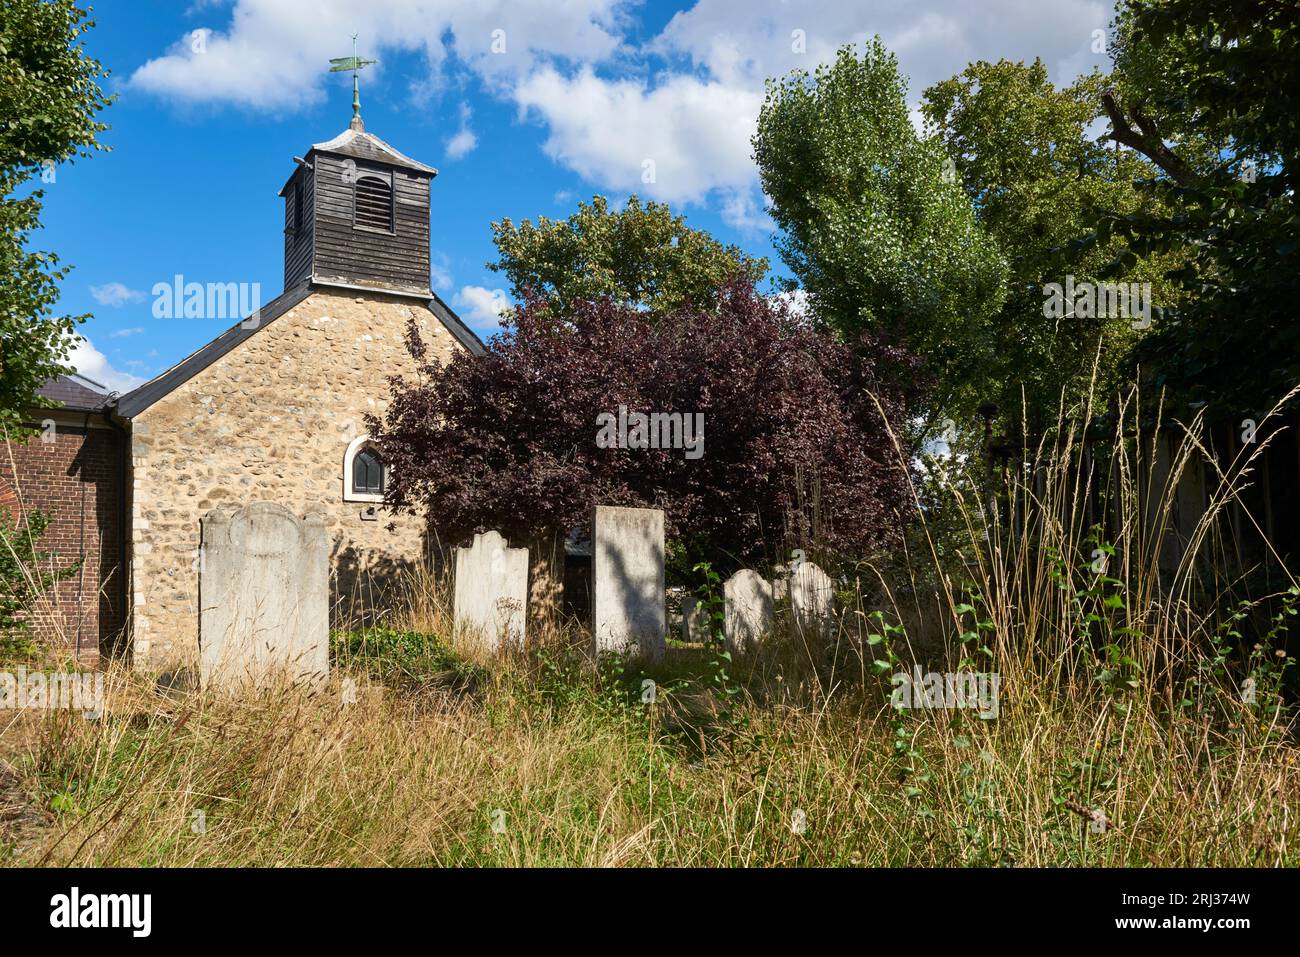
<point x="1039" y="180"/>
<point x="49" y="97"/>
<point x="878" y="236"/>
<point x="1208" y="92"/>
<point x="641" y="256"/>
<point x="1192" y="80"/>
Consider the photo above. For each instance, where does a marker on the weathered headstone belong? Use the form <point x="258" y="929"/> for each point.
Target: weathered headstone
<point x="780" y="583"/>
<point x="812" y="598"/>
<point x="491" y="594"/>
<point x="263" y="596"/>
<point x="748" y="598"/>
<point x="695" y="620"/>
<point x="627" y="613"/>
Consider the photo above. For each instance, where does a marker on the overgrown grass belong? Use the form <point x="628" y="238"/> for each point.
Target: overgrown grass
<point x="545" y="763"/>
<point x="1121" y="695"/>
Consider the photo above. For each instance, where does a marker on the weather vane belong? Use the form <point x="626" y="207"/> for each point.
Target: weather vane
<point x="354" y="63"/>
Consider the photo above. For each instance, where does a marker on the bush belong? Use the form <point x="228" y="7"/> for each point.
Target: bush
<point x="798" y="425"/>
<point x="391" y="654"/>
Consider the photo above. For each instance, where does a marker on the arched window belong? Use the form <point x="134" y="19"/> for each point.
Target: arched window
<point x="367" y="473"/>
<point x="373" y="199"/>
<point x="365" y="477"/>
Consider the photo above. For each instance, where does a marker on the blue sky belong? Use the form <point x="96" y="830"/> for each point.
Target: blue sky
<point x="524" y="107"/>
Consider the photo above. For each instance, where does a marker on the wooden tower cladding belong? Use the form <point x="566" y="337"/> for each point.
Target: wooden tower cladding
<point x="356" y="212"/>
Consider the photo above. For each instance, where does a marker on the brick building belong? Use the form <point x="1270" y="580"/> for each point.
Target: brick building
<point x="73" y="471"/>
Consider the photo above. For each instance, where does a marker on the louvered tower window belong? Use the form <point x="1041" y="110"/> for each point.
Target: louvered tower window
<point x="374" y="203"/>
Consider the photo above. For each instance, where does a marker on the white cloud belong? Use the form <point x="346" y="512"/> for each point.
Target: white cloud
<point x="115" y="294"/>
<point x="122" y="333"/>
<point x="93" y="364"/>
<point x="464" y="140"/>
<point x="460" y="144"/>
<point x="674" y="141"/>
<point x="741" y="211"/>
<point x="482" y="307"/>
<point x="440" y="271"/>
<point x="686" y="100"/>
<point x="746" y="41"/>
<point x="264" y="58"/>
<point x="696" y="122"/>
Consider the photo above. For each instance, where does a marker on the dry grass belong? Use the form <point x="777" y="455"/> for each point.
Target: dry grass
<point x="1120" y="693"/>
<point x="585" y="777"/>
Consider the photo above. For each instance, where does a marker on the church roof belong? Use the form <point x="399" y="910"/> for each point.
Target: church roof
<point x="74" y="392"/>
<point x="138" y="400"/>
<point x="366" y="146"/>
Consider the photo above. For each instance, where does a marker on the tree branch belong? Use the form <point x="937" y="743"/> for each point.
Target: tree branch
<point x="1147" y="142"/>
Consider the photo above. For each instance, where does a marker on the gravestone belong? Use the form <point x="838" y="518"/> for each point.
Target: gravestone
<point x="627" y="601"/>
<point x="695" y="620"/>
<point x="780" y="583"/>
<point x="491" y="594"/>
<point x="812" y="598"/>
<point x="263" y="596"/>
<point x="748" y="598"/>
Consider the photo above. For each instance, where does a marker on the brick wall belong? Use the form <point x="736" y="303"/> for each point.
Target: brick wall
<point x="73" y="474"/>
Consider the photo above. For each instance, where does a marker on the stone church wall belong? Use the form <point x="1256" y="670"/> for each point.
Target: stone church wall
<point x="271" y="421"/>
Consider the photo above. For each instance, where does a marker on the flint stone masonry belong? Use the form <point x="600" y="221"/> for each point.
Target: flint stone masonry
<point x="628" y="581"/>
<point x="748" y="598"/>
<point x="491" y="595"/>
<point x="264" y="596"/>
<point x="271" y="420"/>
<point x="812" y="598"/>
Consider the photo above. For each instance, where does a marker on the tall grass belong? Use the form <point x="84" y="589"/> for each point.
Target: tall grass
<point x="1124" y="736"/>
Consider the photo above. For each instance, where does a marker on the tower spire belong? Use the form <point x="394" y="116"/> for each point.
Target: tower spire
<point x="355" y="64"/>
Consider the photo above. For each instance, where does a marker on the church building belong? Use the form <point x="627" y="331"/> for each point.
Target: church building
<point x="271" y="410"/>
